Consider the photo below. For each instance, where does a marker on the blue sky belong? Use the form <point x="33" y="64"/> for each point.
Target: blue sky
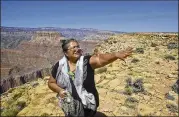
<point x="128" y="16"/>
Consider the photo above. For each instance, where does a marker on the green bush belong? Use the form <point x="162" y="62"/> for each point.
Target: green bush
<point x="11" y="90"/>
<point x="100" y="70"/>
<point x="172" y="46"/>
<point x="45" y="114"/>
<point x="13" y="111"/>
<point x="17" y="95"/>
<point x="156" y="49"/>
<point x="128" y="82"/>
<point x="131" y="102"/>
<point x="175" y="87"/>
<point x="128" y="90"/>
<point x="114" y="41"/>
<point x="13" y="108"/>
<point x="52" y="100"/>
<point x="153" y="44"/>
<point x="21" y="104"/>
<point x="135" y="60"/>
<point x="139" y="50"/>
<point x="134" y="87"/>
<point x="172" y="108"/>
<point x="138" y="86"/>
<point x="169" y="57"/>
<point x="10" y="101"/>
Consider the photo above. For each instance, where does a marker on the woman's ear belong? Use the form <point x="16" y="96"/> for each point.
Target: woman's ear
<point x="66" y="54"/>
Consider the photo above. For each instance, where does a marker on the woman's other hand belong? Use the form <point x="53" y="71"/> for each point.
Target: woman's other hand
<point x="62" y="94"/>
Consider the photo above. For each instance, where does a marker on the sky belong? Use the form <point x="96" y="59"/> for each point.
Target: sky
<point x="127" y="16"/>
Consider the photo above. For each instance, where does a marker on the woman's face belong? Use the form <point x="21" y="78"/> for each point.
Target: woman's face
<point x="74" y="51"/>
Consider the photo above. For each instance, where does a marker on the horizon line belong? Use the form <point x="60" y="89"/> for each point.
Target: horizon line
<point x="91" y="28"/>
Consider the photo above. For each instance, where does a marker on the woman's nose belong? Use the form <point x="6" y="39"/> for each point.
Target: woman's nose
<point x="79" y="50"/>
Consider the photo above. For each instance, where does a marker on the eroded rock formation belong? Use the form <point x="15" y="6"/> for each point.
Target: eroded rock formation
<point x="47" y="37"/>
<point x="22" y="78"/>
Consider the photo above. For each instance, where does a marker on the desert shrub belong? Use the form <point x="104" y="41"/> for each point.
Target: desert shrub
<point x="34" y="84"/>
<point x="10" y="101"/>
<point x="136" y="86"/>
<point x="110" y="42"/>
<point x="153" y="44"/>
<point x="12" y="111"/>
<point x="21" y="105"/>
<point x="131" y="102"/>
<point x="45" y="114"/>
<point x="172" y="46"/>
<point x="169" y="57"/>
<point x="100" y="70"/>
<point x="114" y="41"/>
<point x="139" y="50"/>
<point x="52" y="100"/>
<point x="172" y="107"/>
<point x="100" y="86"/>
<point x="131" y="99"/>
<point x="157" y="62"/>
<point x="11" y="90"/>
<point x="128" y="82"/>
<point x="169" y="96"/>
<point x="175" y="87"/>
<point x="128" y="90"/>
<point x="17" y="95"/>
<point x="112" y="49"/>
<point x="135" y="60"/>
<point x="128" y="87"/>
<point x="156" y="49"/>
<point x="13" y="107"/>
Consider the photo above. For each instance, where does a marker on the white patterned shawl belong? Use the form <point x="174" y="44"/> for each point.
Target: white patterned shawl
<point x="88" y="99"/>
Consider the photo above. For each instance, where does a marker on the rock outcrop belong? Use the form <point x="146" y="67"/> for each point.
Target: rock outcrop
<point x="22" y="78"/>
<point x="47" y="38"/>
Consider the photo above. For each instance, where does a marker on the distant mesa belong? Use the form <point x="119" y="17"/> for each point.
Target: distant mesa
<point x="47" y="37"/>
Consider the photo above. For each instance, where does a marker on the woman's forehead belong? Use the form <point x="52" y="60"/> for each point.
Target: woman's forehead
<point x="73" y="43"/>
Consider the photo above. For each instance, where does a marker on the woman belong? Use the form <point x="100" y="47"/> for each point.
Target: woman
<point x="73" y="78"/>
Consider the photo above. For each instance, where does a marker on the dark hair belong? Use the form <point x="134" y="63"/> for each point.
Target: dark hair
<point x="66" y="42"/>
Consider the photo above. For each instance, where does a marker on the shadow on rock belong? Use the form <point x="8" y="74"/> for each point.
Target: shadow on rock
<point x="100" y="114"/>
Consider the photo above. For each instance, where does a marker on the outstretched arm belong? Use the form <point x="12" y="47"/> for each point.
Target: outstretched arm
<point x="101" y="60"/>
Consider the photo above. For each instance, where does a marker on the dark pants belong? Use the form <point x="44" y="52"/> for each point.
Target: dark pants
<point x="89" y="113"/>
